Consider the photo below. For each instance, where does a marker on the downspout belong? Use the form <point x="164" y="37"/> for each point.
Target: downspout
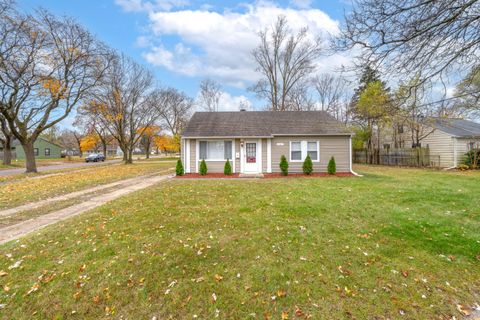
<point x="351" y="157"/>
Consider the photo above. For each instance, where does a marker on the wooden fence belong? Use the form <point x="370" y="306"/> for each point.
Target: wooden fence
<point x="414" y="157"/>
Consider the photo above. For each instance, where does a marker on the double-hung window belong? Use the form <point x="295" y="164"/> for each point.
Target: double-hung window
<point x="47" y="152"/>
<point x="300" y="149"/>
<point x="216" y="150"/>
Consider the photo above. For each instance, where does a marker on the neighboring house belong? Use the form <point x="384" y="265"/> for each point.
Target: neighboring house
<point x="43" y="149"/>
<point x="451" y="139"/>
<point x="254" y="141"/>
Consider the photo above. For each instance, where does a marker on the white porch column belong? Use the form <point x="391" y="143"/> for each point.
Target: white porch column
<point x="269" y="155"/>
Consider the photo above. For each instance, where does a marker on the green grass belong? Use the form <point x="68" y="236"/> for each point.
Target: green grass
<point x="397" y="241"/>
<point x="28" y="188"/>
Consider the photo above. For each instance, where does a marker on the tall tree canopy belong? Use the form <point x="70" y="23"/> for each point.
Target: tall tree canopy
<point x="406" y="36"/>
<point x="285" y="62"/>
<point x="47" y="65"/>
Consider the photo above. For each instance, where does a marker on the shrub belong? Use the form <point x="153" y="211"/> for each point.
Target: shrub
<point x="332" y="167"/>
<point x="179" y="169"/>
<point x="284" y="165"/>
<point x="472" y="158"/>
<point x="307" y="165"/>
<point x="203" y="168"/>
<point x="227" y="170"/>
<point x="463" y="167"/>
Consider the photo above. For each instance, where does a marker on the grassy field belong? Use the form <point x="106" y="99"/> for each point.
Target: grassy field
<point x="23" y="188"/>
<point x="395" y="244"/>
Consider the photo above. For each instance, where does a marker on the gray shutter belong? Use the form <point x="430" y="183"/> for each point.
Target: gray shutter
<point x="228" y="149"/>
<point x="203" y="150"/>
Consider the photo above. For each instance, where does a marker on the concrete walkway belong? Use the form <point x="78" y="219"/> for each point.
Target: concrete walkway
<point x="20" y="229"/>
<point x="63" y="166"/>
<point x="76" y="194"/>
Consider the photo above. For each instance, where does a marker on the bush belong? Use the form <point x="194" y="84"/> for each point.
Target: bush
<point x="307" y="165"/>
<point x="203" y="168"/>
<point x="472" y="158"/>
<point x="463" y="167"/>
<point x="227" y="170"/>
<point x="284" y="165"/>
<point x="332" y="167"/>
<point x="179" y="168"/>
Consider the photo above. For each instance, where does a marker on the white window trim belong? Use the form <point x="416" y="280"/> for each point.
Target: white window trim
<point x="269" y="155"/>
<point x="304" y="149"/>
<point x="216" y="140"/>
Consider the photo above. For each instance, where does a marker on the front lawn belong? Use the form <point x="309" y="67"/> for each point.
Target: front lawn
<point x="396" y="244"/>
<point x="25" y="188"/>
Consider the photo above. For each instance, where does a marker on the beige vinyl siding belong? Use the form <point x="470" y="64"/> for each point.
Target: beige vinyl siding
<point x="214" y="166"/>
<point x="441" y="147"/>
<point x="463" y="147"/>
<point x="264" y="155"/>
<point x="337" y="146"/>
<point x="193" y="154"/>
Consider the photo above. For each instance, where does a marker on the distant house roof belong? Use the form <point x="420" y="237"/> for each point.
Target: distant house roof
<point x="263" y="124"/>
<point x="458" y="127"/>
<point x="17" y="143"/>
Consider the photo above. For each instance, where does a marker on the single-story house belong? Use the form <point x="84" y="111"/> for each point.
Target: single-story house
<point x="451" y="139"/>
<point x="254" y="141"/>
<point x="43" y="149"/>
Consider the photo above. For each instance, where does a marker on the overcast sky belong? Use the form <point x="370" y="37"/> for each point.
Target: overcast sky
<point x="184" y="41"/>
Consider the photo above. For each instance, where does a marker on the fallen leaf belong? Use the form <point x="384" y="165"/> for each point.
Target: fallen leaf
<point x="281" y="293"/>
<point x="284" y="315"/>
<point x="3" y="273"/>
<point x="96" y="299"/>
<point x="218" y="278"/>
<point x="298" y="312"/>
<point x="464" y="310"/>
<point x="82" y="267"/>
<point x="405" y="273"/>
<point x="267" y="316"/>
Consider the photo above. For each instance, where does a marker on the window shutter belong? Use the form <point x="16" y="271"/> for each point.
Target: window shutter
<point x="203" y="150"/>
<point x="228" y="149"/>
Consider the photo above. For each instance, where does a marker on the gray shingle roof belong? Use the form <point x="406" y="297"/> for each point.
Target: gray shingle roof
<point x="458" y="127"/>
<point x="263" y="124"/>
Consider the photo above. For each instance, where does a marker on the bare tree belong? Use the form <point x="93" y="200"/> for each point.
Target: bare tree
<point x="47" y="65"/>
<point x="6" y="139"/>
<point x="210" y="93"/>
<point x="88" y="122"/>
<point x="174" y="108"/>
<point x="406" y="36"/>
<point x="122" y="103"/>
<point x="285" y="62"/>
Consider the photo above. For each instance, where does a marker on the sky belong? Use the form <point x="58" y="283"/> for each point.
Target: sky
<point x="185" y="41"/>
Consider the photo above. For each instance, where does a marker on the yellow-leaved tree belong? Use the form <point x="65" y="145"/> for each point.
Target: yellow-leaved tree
<point x="89" y="142"/>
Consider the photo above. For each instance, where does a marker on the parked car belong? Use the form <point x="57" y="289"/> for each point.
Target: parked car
<point x="95" y="157"/>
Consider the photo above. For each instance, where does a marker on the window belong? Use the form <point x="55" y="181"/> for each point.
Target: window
<point x="296" y="150"/>
<point x="47" y="151"/>
<point x="312" y="150"/>
<point x="35" y="151"/>
<point x="300" y="149"/>
<point x="215" y="150"/>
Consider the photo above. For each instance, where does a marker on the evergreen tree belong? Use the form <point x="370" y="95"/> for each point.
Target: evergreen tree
<point x="332" y="167"/>
<point x="179" y="169"/>
<point x="284" y="165"/>
<point x="307" y="165"/>
<point x="227" y="170"/>
<point x="203" y="168"/>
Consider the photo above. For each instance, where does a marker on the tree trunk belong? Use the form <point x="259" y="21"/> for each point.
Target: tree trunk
<point x="130" y="157"/>
<point x="147" y="151"/>
<point x="7" y="151"/>
<point x="30" y="164"/>
<point x="104" y="149"/>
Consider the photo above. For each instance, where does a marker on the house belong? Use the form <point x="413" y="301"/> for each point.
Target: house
<point x="254" y="141"/>
<point x="451" y="138"/>
<point x="43" y="149"/>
